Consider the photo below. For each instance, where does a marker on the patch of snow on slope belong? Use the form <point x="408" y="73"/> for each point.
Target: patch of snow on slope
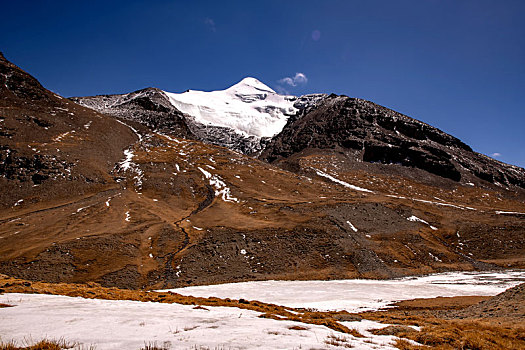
<point x="131" y="324"/>
<point x="346" y="184"/>
<point x="414" y="218"/>
<point x="221" y="190"/>
<point x="128" y="165"/>
<point x="352" y="226"/>
<point x="249" y="107"/>
<point x="132" y="129"/>
<point x="457" y="206"/>
<point x="508" y="212"/>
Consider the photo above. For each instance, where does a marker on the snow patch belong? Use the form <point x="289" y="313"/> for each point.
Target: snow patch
<point x="351" y="226"/>
<point x="415" y="219"/>
<point x="462" y="207"/>
<point x="128" y="165"/>
<point x="221" y="190"/>
<point x="509" y="212"/>
<point x="356" y="188"/>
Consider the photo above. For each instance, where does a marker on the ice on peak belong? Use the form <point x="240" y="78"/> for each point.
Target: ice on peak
<point x="249" y="107"/>
<point x="250" y="85"/>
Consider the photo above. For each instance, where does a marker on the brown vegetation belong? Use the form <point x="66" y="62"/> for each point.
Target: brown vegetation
<point x="45" y="344"/>
<point x="465" y="334"/>
<point x="447" y="323"/>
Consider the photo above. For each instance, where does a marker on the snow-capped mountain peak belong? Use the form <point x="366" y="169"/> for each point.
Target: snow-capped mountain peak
<point x="249" y="108"/>
<point x="250" y="85"/>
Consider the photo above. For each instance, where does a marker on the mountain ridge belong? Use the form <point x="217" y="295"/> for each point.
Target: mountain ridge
<point x="148" y="203"/>
<point x="399" y="139"/>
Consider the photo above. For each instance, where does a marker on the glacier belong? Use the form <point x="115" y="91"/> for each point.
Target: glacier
<point x="249" y="107"/>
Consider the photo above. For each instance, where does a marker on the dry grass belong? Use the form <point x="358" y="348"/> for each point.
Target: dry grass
<point x="337" y="340"/>
<point x="153" y="346"/>
<point x="468" y="335"/>
<point x="298" y="328"/>
<point x="45" y="344"/>
<point x="453" y="334"/>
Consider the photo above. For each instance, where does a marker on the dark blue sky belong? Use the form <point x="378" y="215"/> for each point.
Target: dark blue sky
<point x="457" y="65"/>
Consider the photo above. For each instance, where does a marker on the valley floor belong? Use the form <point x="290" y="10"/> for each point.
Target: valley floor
<point x="83" y="315"/>
<point x="356" y="295"/>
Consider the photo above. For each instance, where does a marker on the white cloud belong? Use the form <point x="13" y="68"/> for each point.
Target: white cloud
<point x="282" y="91"/>
<point x="299" y="78"/>
<point x="210" y="23"/>
<point x="495" y="154"/>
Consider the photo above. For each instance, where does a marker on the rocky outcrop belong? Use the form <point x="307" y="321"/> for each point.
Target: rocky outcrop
<point x="373" y="133"/>
<point x="149" y="107"/>
<point x="18" y="85"/>
<point x="35" y="168"/>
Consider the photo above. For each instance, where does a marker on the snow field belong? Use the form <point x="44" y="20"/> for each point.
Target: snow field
<point x="361" y="295"/>
<point x="111" y="324"/>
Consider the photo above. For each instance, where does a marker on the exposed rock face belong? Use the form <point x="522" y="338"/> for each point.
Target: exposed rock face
<point x="373" y="133"/>
<point x="19" y="84"/>
<point x="35" y="168"/>
<point x="149" y="107"/>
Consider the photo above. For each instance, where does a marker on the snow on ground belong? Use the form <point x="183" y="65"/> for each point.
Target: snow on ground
<point x="509" y="212"/>
<point x="111" y="324"/>
<point x="221" y="190"/>
<point x="346" y="184"/>
<point x="135" y="131"/>
<point x="352" y="226"/>
<point x="414" y="218"/>
<point x="61" y="136"/>
<point x="457" y="206"/>
<point x="127" y="164"/>
<point x="249" y="107"/>
<point x="359" y="295"/>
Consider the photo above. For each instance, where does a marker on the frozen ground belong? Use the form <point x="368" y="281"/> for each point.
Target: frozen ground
<point x="360" y="295"/>
<point x="129" y="325"/>
<point x="110" y="324"/>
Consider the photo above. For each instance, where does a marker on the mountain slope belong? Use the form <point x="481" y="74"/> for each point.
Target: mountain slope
<point x="367" y="132"/>
<point x="51" y="147"/>
<point x="147" y="106"/>
<point x="141" y="208"/>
